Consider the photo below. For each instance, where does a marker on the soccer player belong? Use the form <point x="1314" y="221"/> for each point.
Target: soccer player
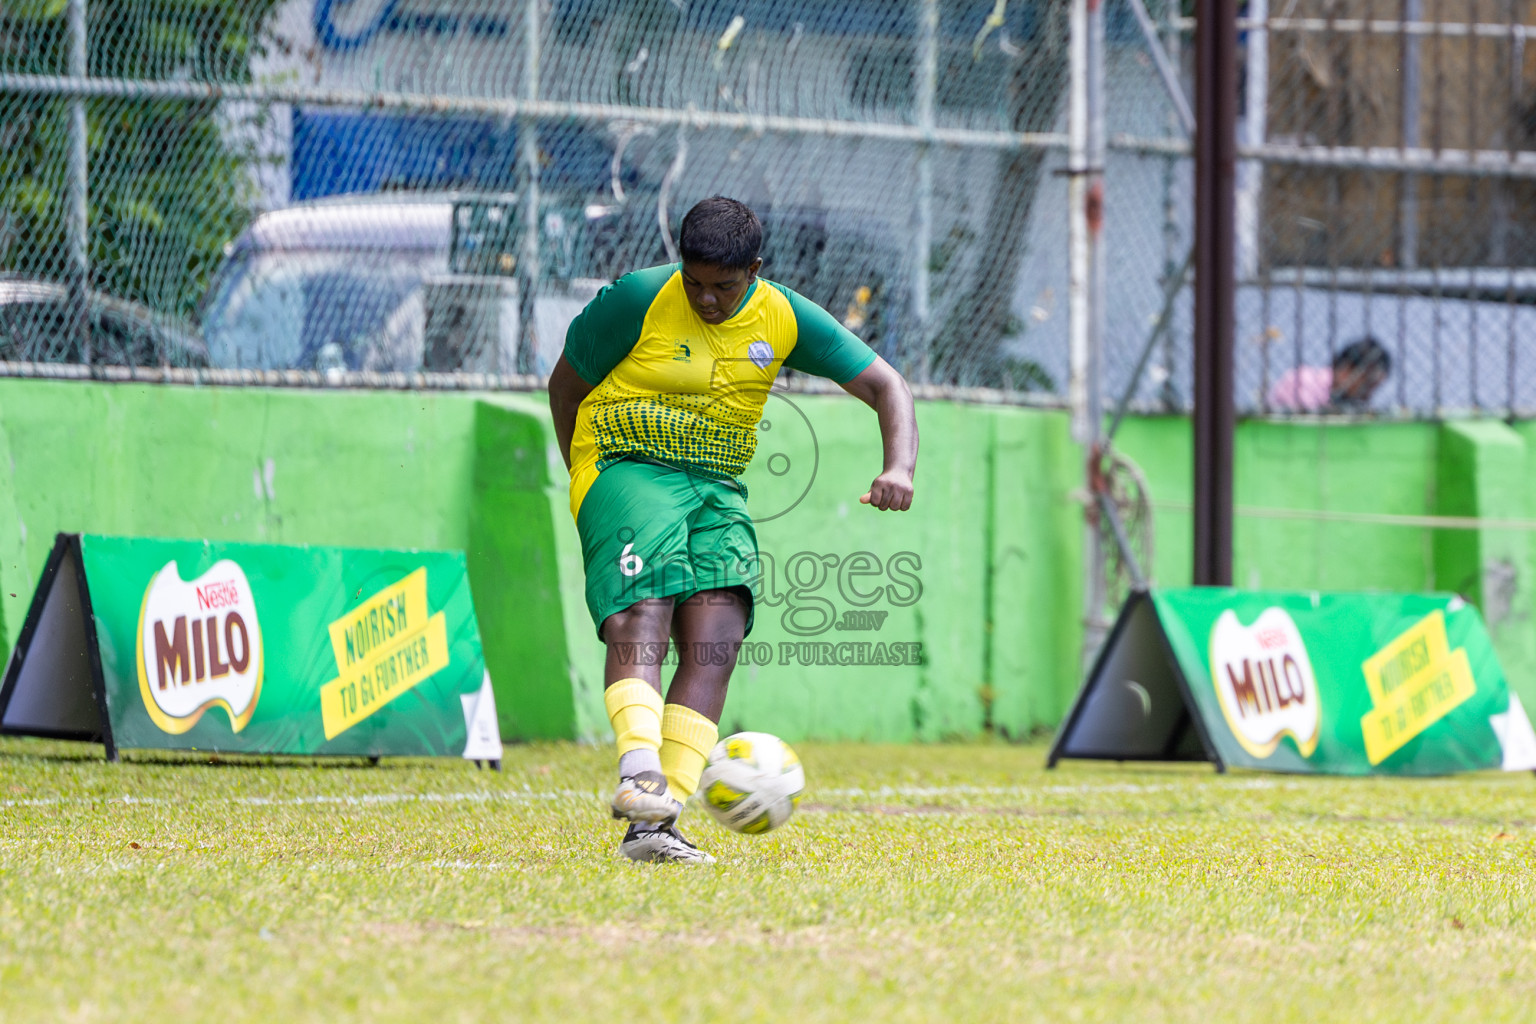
<point x="656" y="402"/>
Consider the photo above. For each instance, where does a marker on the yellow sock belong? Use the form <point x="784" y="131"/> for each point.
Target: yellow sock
<point x="686" y="739"/>
<point x="634" y="708"/>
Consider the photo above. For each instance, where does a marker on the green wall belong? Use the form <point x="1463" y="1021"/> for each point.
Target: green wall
<point x="287" y="467"/>
<point x="1340" y="478"/>
<point x="1484" y="470"/>
<point x="1335" y="469"/>
<point x="985" y="573"/>
<point x="985" y="570"/>
<point x="994" y="553"/>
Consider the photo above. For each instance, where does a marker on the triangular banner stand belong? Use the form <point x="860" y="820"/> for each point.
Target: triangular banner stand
<point x="483" y="734"/>
<point x="53" y="683"/>
<point x="224" y="647"/>
<point x="1516" y="736"/>
<point x="1136" y="704"/>
<point x="1307" y="682"/>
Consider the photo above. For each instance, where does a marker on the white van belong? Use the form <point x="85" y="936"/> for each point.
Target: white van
<point x="386" y="282"/>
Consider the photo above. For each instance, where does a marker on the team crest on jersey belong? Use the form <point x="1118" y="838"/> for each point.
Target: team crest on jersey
<point x="761" y="354"/>
<point x="684" y="354"/>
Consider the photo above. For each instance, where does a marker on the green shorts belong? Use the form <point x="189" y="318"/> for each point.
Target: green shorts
<point x="649" y="530"/>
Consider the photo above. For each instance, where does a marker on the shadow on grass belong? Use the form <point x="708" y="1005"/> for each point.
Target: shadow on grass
<point x="26" y="748"/>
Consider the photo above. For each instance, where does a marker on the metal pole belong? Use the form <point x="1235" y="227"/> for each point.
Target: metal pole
<point x="1498" y="245"/>
<point x="1173" y="220"/>
<point x="591" y="113"/>
<point x="1250" y="175"/>
<point x="1093" y="212"/>
<point x="922" y="234"/>
<point x="1408" y="199"/>
<point x="1082" y="218"/>
<point x="77" y="214"/>
<point x="1171" y="289"/>
<point x="528" y="160"/>
<point x="1215" y="167"/>
<point x="1166" y="69"/>
<point x="1087" y="279"/>
<point x="1098" y="293"/>
<point x="1079" y="263"/>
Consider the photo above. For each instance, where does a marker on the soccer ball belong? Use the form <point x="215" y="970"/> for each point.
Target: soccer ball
<point x="752" y="782"/>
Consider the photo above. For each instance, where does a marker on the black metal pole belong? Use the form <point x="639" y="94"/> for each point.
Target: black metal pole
<point x="1215" y="233"/>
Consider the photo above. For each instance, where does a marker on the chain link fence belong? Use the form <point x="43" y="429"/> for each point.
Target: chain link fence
<point x="439" y="185"/>
<point x="1396" y="199"/>
<point x="434" y="186"/>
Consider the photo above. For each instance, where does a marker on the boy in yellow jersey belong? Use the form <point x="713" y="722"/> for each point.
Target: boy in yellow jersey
<point x="656" y="401"/>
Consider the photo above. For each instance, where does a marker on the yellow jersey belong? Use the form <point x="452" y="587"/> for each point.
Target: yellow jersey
<point x="669" y="387"/>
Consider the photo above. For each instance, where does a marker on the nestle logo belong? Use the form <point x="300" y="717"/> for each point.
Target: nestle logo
<point x="1272" y="639"/>
<point x="218" y="595"/>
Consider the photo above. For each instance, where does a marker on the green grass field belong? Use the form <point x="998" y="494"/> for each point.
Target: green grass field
<point x="954" y="883"/>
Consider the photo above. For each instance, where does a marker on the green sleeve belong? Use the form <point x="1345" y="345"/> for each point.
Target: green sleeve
<point x="609" y="327"/>
<point x="824" y="347"/>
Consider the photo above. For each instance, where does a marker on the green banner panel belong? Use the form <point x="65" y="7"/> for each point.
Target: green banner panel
<point x="252" y="648"/>
<point x="1345" y="683"/>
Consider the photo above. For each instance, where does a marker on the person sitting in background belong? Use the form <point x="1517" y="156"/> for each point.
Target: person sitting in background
<point x="1347" y="386"/>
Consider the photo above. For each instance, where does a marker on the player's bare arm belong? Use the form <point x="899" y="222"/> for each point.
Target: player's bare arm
<point x="881" y="388"/>
<point x="566" y="392"/>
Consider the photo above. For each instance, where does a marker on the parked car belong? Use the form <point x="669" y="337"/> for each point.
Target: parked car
<point x="35" y="321"/>
<point x="404" y="281"/>
<point x="387" y="282"/>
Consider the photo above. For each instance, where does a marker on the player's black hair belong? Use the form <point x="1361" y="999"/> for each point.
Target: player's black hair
<point x="720" y="232"/>
<point x="1365" y="354"/>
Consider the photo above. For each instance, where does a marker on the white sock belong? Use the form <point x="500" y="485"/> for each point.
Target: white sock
<point x="637" y="761"/>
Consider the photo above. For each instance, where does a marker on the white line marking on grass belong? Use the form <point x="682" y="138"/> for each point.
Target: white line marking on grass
<point x="372" y="799"/>
<point x="450" y="865"/>
<point x="1080" y="789"/>
<point x="536" y="796"/>
<point x="964" y="790"/>
<point x="333" y="866"/>
<point x="857" y="792"/>
<point x="359" y="800"/>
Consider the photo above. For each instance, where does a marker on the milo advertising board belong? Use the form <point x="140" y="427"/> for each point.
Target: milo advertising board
<point x="252" y="648"/>
<point x="1404" y="684"/>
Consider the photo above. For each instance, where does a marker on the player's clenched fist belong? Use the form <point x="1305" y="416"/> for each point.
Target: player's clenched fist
<point x="891" y="492"/>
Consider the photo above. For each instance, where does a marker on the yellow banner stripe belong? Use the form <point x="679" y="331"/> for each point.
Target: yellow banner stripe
<point x="1411" y="652"/>
<point x="365" y="688"/>
<point x="1416" y="705"/>
<point x="380" y="621"/>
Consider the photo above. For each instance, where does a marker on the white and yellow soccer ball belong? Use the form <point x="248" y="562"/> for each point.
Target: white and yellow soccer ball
<point x="752" y="782"/>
